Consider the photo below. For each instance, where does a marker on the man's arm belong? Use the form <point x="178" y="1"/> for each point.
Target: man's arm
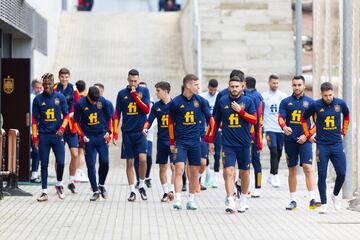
<point x="143" y="105"/>
<point x="346" y="118"/>
<point x="307" y="114"/>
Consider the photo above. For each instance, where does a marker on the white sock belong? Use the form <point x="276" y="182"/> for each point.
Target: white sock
<point x="238" y="181"/>
<point x="172" y="188"/>
<point x="243" y="198"/>
<point x="72" y="179"/>
<point x="203" y="177"/>
<point x="59" y="183"/>
<point x="148" y="178"/>
<point x="293" y="196"/>
<point x="191" y="197"/>
<point x="216" y="175"/>
<point x="34" y="175"/>
<point x="208" y="171"/>
<point x="44" y="191"/>
<point x="231" y="200"/>
<point x="132" y="188"/>
<point x="311" y="195"/>
<point x="165" y="188"/>
<point x="141" y="183"/>
<point x="178" y="196"/>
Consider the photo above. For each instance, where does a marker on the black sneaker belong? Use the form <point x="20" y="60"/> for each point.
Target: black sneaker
<point x="292" y="206"/>
<point x="132" y="197"/>
<point x="202" y="187"/>
<point x="35" y="180"/>
<point x="148" y="183"/>
<point x="137" y="185"/>
<point x="165" y="197"/>
<point x="103" y="192"/>
<point x="71" y="187"/>
<point x="314" y="204"/>
<point x="142" y="193"/>
<point x="95" y="196"/>
<point x="60" y="192"/>
<point x="184" y="188"/>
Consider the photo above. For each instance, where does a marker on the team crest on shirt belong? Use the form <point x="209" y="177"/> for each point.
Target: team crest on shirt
<point x="290" y="104"/>
<point x="242" y="105"/>
<point x="196" y="103"/>
<point x="99" y="105"/>
<point x="140" y="95"/>
<point x="305" y="104"/>
<point x="337" y="108"/>
<point x="57" y="101"/>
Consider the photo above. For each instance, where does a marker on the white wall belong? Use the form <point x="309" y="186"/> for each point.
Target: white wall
<point x="51" y="11"/>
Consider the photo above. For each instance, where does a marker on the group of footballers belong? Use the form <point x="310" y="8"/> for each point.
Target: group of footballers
<point x="228" y="124"/>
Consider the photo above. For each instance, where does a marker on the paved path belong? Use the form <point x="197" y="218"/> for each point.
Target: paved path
<point x="78" y="218"/>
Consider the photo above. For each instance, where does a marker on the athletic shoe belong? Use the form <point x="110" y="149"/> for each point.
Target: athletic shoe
<point x="276" y="183"/>
<point x="177" y="205"/>
<point x="191" y="205"/>
<point x="103" y="192"/>
<point x="323" y="209"/>
<point x="256" y="193"/>
<point x="337" y="201"/>
<point x="71" y="187"/>
<point x="291" y="206"/>
<point x="95" y="196"/>
<point x="60" y="192"/>
<point x="171" y="196"/>
<point x="148" y="183"/>
<point x="142" y="193"/>
<point x="80" y="176"/>
<point x="43" y="197"/>
<point x="226" y="201"/>
<point x="35" y="180"/>
<point x="242" y="207"/>
<point x="313" y="204"/>
<point x="230" y="206"/>
<point x="184" y="188"/>
<point x="270" y="179"/>
<point x="165" y="197"/>
<point x="202" y="187"/>
<point x="137" y="185"/>
<point x="132" y="197"/>
<point x="208" y="180"/>
<point x="215" y="184"/>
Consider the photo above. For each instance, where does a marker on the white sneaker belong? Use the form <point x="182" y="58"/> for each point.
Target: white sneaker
<point x="256" y="193"/>
<point x="230" y="206"/>
<point x="215" y="183"/>
<point x="242" y="207"/>
<point x="83" y="177"/>
<point x="337" y="201"/>
<point x="276" y="183"/>
<point x="270" y="179"/>
<point x="323" y="209"/>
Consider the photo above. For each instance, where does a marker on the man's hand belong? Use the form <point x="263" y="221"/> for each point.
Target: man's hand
<point x="312" y="139"/>
<point x="36" y="146"/>
<point x="71" y="115"/>
<point x="107" y="137"/>
<point x="86" y="139"/>
<point x="115" y="138"/>
<point x="60" y="132"/>
<point x="287" y="130"/>
<point x="172" y="148"/>
<point x="212" y="148"/>
<point x="302" y="139"/>
<point x="133" y="89"/>
<point x="236" y="107"/>
<point x="145" y="132"/>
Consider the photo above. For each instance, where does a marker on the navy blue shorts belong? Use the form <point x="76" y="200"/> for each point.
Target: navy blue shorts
<point x="204" y="148"/>
<point x="275" y="139"/>
<point x="72" y="140"/>
<point x="163" y="153"/>
<point x="133" y="144"/>
<point x="231" y="155"/>
<point x="188" y="151"/>
<point x="294" y="151"/>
